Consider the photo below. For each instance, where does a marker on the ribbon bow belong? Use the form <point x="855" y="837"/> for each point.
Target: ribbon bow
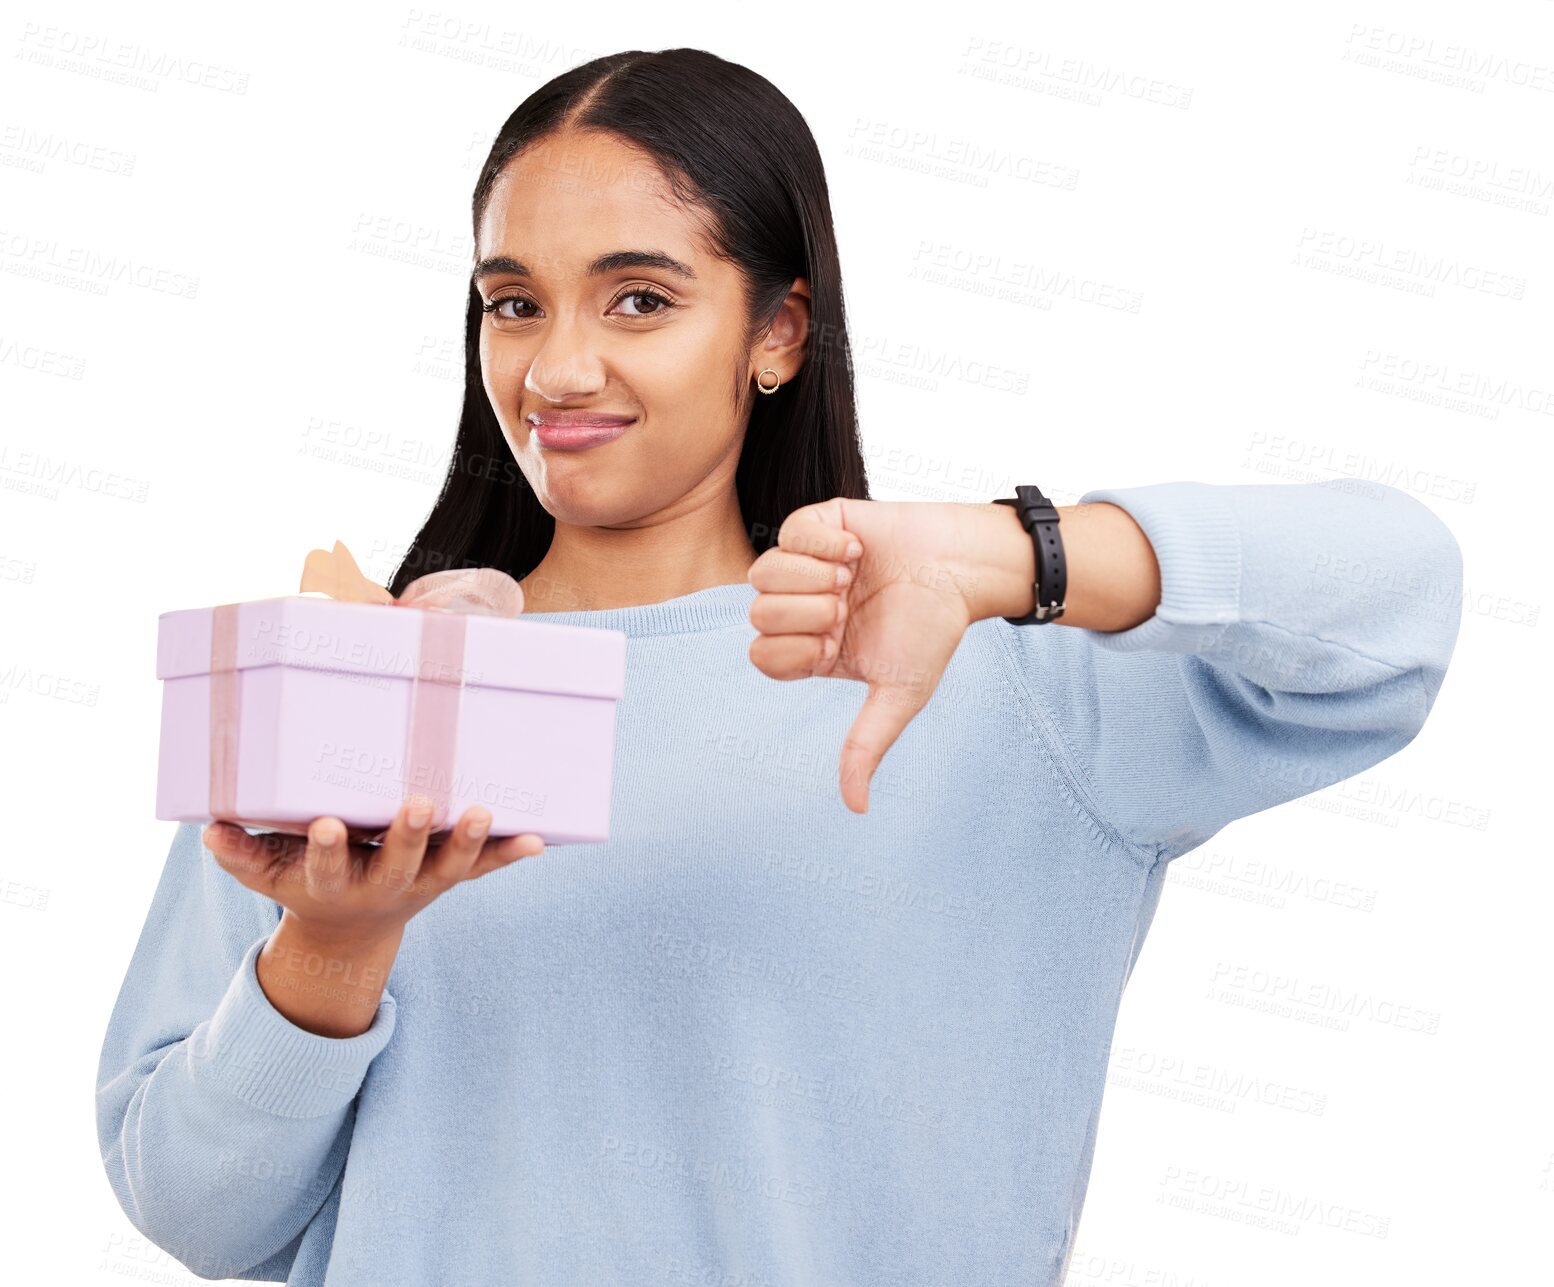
<point x="484" y="591"/>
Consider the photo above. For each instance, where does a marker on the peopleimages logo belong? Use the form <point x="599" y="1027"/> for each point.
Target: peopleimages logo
<point x="1402" y="261"/>
<point x="1441" y="375"/>
<point x="1236" y="1197"/>
<point x="1332" y="1000"/>
<point x="1450" y="57"/>
<point x="48" y="259"/>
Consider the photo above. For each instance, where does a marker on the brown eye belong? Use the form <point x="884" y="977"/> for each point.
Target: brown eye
<point x="496" y="304"/>
<point x="658" y="303"/>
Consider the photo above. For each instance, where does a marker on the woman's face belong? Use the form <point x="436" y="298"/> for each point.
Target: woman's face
<point x="579" y="325"/>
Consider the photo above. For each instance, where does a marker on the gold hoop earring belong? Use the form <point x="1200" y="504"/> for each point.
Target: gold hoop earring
<point x="764" y="371"/>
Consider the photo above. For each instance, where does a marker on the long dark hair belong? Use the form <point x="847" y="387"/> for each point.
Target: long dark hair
<point x="728" y="140"/>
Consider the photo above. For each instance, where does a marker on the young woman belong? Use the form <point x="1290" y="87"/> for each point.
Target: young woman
<point x="834" y="1003"/>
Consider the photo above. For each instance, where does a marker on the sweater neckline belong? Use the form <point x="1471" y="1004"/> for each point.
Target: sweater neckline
<point x="715" y="608"/>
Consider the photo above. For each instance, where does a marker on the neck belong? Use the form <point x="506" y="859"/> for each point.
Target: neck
<point x="674" y="554"/>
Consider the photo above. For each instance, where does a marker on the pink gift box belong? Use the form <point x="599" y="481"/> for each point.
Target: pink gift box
<point x="279" y="711"/>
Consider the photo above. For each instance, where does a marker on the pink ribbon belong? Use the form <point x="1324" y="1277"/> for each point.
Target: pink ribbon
<point x="446" y="600"/>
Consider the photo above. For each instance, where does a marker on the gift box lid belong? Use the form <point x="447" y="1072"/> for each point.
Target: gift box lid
<point x="321" y="633"/>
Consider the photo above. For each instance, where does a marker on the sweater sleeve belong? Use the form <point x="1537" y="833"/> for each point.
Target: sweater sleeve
<point x="223" y="1125"/>
<point x="1302" y="636"/>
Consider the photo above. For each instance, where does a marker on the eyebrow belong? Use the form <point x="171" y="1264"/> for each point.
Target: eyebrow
<point x="610" y="263"/>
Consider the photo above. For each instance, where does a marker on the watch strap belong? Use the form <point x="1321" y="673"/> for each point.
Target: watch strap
<point x="1039" y="517"/>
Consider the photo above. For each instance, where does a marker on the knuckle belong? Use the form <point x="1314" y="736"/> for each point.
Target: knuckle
<point x="798" y="525"/>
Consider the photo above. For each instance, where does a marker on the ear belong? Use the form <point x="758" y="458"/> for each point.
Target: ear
<point x="783" y="347"/>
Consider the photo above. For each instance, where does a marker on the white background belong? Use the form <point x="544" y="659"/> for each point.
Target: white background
<point x="1242" y="174"/>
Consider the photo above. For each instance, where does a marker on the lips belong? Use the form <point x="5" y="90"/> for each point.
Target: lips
<point x="566" y="430"/>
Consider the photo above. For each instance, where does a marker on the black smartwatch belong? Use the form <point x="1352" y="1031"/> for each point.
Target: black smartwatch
<point x="1039" y="517"/>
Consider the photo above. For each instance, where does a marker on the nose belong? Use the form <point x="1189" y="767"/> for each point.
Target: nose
<point x="564" y="367"/>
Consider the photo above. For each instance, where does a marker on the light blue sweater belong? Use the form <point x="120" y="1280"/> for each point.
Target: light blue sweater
<point x="757" y="1040"/>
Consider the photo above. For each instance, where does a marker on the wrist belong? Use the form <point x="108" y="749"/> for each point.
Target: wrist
<point x="1005" y="575"/>
<point x="1113" y="576"/>
<point x="296" y="940"/>
<point x="327" y="986"/>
